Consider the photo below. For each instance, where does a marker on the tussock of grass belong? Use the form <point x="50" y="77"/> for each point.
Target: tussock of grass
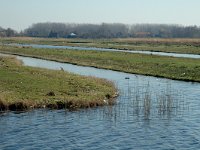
<point x="26" y="88"/>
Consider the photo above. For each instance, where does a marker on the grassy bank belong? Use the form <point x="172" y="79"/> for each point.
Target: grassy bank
<point x="160" y="66"/>
<point x="24" y="88"/>
<point x="188" y="46"/>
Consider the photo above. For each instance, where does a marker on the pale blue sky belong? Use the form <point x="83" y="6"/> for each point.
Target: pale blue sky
<point x="19" y="14"/>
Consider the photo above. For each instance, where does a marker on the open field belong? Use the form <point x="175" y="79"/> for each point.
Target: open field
<point x="160" y="66"/>
<point x="188" y="46"/>
<point x="25" y="88"/>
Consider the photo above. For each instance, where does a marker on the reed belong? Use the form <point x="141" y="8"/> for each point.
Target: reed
<point x="146" y="101"/>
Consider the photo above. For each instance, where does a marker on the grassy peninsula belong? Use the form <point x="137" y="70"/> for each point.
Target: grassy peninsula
<point x="161" y="66"/>
<point x="25" y="88"/>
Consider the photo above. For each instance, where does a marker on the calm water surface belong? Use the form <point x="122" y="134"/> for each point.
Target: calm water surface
<point x="126" y="125"/>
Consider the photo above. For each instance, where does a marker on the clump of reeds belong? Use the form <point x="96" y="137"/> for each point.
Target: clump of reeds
<point x="145" y="101"/>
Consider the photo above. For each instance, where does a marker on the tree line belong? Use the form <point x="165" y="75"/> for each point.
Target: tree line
<point x="8" y="32"/>
<point x="105" y="30"/>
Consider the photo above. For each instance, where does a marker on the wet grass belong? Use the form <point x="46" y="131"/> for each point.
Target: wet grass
<point x="160" y="66"/>
<point x="23" y="88"/>
<point x="187" y="46"/>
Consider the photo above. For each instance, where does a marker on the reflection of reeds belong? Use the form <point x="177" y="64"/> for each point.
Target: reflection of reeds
<point x="147" y="104"/>
<point x="164" y="102"/>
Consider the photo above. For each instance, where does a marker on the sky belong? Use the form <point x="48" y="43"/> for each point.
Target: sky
<point x="21" y="14"/>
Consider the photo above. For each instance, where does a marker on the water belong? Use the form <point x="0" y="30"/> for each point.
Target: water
<point x="110" y="50"/>
<point x="122" y="126"/>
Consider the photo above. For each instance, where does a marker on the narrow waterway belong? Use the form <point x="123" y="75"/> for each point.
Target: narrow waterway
<point x="110" y="50"/>
<point x="150" y="113"/>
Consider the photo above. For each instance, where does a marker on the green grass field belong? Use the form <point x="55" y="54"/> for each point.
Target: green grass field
<point x="24" y="88"/>
<point x="160" y="66"/>
<point x="187" y="46"/>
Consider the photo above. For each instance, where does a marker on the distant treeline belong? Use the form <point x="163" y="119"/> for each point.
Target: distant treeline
<point x="8" y="32"/>
<point x="105" y="30"/>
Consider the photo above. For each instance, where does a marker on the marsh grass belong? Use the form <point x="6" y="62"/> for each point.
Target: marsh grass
<point x="25" y="88"/>
<point x="144" y="102"/>
<point x="174" y="45"/>
<point x="166" y="102"/>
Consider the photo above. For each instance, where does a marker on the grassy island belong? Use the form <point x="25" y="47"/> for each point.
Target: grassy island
<point x="23" y="88"/>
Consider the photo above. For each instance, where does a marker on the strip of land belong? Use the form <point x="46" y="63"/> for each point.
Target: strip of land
<point x="183" y="46"/>
<point x="160" y="66"/>
<point x="23" y="88"/>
